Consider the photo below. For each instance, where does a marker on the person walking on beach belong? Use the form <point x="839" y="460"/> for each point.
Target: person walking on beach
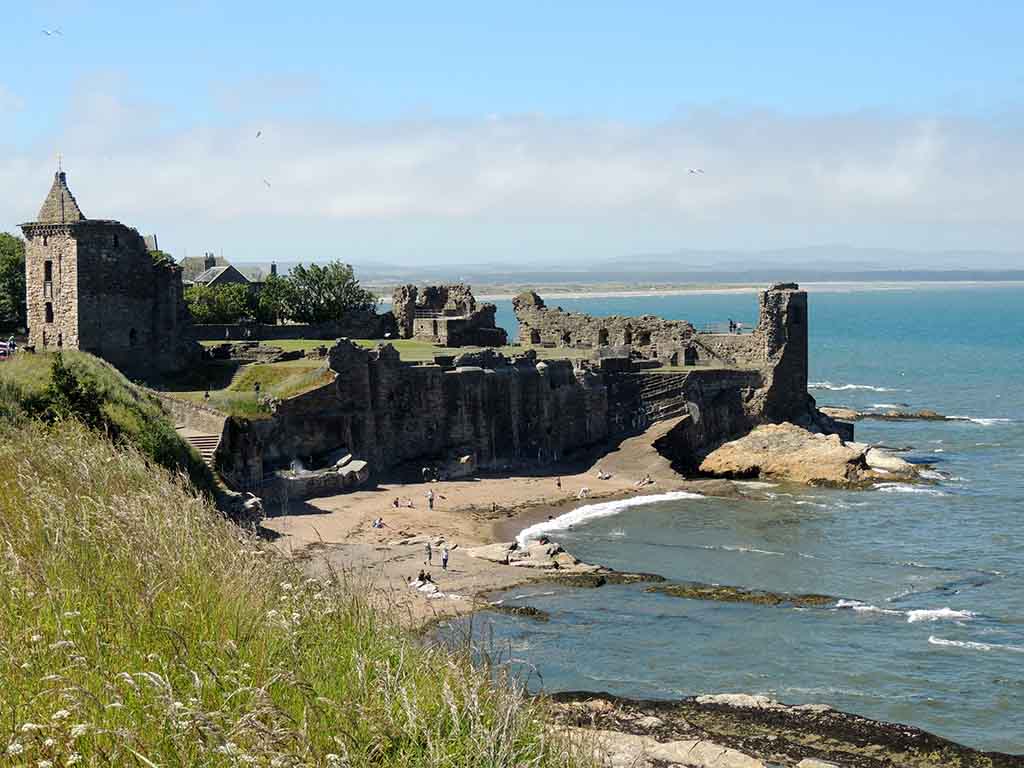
<point x="430" y="499"/>
<point x="444" y="558"/>
<point x="558" y="483"/>
<point x="428" y="553"/>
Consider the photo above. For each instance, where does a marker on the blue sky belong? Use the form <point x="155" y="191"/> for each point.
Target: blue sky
<point x="549" y="131"/>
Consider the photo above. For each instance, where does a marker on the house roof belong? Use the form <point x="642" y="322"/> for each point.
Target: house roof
<point x="221" y="274"/>
<point x="193" y="266"/>
<point x="60" y="206"/>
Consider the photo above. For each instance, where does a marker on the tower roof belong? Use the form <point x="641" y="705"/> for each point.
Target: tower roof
<point x="60" y="206"/>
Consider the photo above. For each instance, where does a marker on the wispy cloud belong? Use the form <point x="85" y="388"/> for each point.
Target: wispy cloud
<point x="497" y="183"/>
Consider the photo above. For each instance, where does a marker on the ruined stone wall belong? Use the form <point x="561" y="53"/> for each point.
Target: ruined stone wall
<point x="357" y="325"/>
<point x="540" y="325"/>
<point x="389" y="412"/>
<point x="447" y="315"/>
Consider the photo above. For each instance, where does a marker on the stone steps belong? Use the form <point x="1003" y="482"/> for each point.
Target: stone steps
<point x="205" y="445"/>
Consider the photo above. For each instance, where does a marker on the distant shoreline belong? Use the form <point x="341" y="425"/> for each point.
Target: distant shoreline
<point x="555" y="292"/>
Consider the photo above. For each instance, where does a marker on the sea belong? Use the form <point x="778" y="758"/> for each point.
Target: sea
<point x="927" y="625"/>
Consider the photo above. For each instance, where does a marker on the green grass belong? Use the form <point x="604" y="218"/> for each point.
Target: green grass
<point x="232" y="386"/>
<point x="138" y="628"/>
<point x="129" y="413"/>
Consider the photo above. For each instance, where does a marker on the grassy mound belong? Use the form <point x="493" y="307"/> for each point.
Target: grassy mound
<point x="140" y="628"/>
<point x="76" y="385"/>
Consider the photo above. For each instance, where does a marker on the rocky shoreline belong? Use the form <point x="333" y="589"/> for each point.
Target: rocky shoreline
<point x="743" y="731"/>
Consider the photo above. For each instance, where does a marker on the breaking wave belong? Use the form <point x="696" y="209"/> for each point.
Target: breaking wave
<point x="593" y="511"/>
<point x="914" y="616"/>
<point x="889" y="405"/>
<point x="985" y="422"/>
<point x="938" y="614"/>
<point x="974" y="646"/>
<point x="904" y="488"/>
<point x="859" y="607"/>
<point x="846" y="387"/>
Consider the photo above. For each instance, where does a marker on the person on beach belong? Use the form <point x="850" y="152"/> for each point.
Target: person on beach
<point x="430" y="499"/>
<point x="583" y="493"/>
<point x="558" y="483"/>
<point x="444" y="558"/>
<point x="428" y="553"/>
<point x="395" y="503"/>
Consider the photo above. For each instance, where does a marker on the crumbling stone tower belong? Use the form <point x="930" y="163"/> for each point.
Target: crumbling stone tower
<point x="92" y="285"/>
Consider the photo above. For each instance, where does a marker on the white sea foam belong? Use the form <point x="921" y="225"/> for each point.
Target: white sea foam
<point x="846" y="387"/>
<point x="974" y="646"/>
<point x="985" y="422"/>
<point x="617" y="533"/>
<point x="755" y="484"/>
<point x="859" y="607"/>
<point x="593" y="511"/>
<point x="904" y="488"/>
<point x="889" y="405"/>
<point x="931" y="474"/>
<point x="938" y="614"/>
<point x="754" y="550"/>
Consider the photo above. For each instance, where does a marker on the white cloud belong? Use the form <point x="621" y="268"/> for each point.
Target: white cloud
<point x="496" y="185"/>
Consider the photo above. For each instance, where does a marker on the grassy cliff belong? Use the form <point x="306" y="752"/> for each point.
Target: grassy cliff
<point x="138" y="627"/>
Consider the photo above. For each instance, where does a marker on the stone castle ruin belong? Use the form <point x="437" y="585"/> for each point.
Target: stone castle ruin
<point x="92" y="284"/>
<point x="447" y="315"/>
<point x="494" y="411"/>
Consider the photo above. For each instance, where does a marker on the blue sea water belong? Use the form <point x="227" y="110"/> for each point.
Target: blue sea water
<point x="928" y="627"/>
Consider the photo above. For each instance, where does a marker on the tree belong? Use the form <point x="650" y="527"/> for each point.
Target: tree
<point x="320" y="294"/>
<point x="12" y="279"/>
<point x="272" y="300"/>
<point x="219" y="303"/>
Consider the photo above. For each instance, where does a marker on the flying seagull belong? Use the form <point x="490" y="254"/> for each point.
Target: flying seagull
<point x="51" y="32"/>
<point x="267" y="183"/>
<point x="258" y="134"/>
<point x="696" y="170"/>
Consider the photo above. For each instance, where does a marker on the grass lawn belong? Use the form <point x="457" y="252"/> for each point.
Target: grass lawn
<point x="232" y="385"/>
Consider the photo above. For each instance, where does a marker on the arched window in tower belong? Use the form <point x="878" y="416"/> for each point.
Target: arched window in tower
<point x="49" y="312"/>
<point x="535" y="336"/>
<point x="602" y="337"/>
<point x="627" y="337"/>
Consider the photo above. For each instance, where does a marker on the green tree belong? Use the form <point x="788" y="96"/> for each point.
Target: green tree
<point x="319" y="294"/>
<point x="272" y="300"/>
<point x="219" y="303"/>
<point x="12" y="279"/>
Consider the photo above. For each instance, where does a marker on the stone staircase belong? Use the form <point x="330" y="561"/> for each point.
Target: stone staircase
<point x="662" y="395"/>
<point x="205" y="445"/>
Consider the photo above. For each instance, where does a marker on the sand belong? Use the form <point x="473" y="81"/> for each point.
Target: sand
<point x="335" y="533"/>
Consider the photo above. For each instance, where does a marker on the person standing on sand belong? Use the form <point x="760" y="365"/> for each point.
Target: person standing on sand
<point x="558" y="483"/>
<point x="430" y="499"/>
<point x="428" y="553"/>
<point x="444" y="558"/>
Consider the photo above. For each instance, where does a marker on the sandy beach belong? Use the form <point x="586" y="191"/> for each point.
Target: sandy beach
<point x="336" y="533"/>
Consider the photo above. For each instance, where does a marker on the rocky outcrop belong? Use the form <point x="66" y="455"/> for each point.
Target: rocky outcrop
<point x="748" y="731"/>
<point x="894" y="414"/>
<point x="726" y="594"/>
<point x="788" y="452"/>
<point x="541" y="556"/>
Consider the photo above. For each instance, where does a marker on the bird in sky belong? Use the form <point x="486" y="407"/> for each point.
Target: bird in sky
<point x="258" y="134"/>
<point x="267" y="183"/>
<point x="52" y="32"/>
<point x="696" y="170"/>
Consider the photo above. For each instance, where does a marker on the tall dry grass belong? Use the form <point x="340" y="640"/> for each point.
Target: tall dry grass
<point x="138" y="628"/>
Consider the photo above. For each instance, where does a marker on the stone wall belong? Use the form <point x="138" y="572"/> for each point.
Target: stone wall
<point x="358" y="325"/>
<point x="389" y="412"/>
<point x="540" y="325"/>
<point x="447" y="315"/>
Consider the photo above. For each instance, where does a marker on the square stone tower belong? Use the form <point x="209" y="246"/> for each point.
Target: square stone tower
<point x="93" y="285"/>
